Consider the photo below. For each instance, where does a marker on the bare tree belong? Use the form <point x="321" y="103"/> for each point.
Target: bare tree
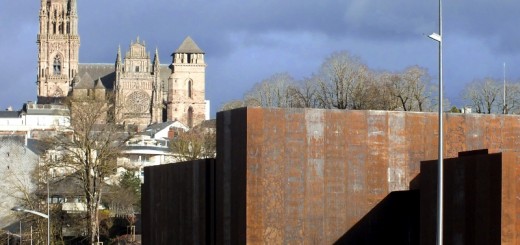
<point x="340" y="76"/>
<point x="344" y="82"/>
<point x="304" y="94"/>
<point x="272" y="92"/>
<point x="512" y="100"/>
<point x="233" y="105"/>
<point x="88" y="152"/>
<point x="410" y="88"/>
<point x="483" y="95"/>
<point x="197" y="143"/>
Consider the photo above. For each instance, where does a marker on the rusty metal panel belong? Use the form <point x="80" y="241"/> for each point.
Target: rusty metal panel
<point x="313" y="174"/>
<point x="334" y="176"/>
<point x="510" y="194"/>
<point x="356" y="135"/>
<point x="176" y="203"/>
<point x="273" y="177"/>
<point x="419" y="147"/>
<point x="295" y="162"/>
<point x="455" y="134"/>
<point x="473" y="187"/>
<point x="230" y="177"/>
<point x="308" y="176"/>
<point x="255" y="218"/>
<point x="398" y="178"/>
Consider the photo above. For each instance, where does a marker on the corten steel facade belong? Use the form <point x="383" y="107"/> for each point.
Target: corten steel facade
<point x="295" y="176"/>
<point x="178" y="203"/>
<point x="480" y="199"/>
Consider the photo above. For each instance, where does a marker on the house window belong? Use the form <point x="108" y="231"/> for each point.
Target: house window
<point x="137" y="69"/>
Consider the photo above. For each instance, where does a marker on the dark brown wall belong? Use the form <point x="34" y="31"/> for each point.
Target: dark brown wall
<point x="177" y="203"/>
<point x="308" y="176"/>
<point x="313" y="174"/>
<point x="231" y="178"/>
<point x="472" y="200"/>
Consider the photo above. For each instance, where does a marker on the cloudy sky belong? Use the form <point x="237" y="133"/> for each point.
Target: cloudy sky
<point x="247" y="41"/>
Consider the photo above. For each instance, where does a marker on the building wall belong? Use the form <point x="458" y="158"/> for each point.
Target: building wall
<point x="187" y="86"/>
<point x="476" y="189"/>
<point x="308" y="176"/>
<point x="58" y="43"/>
<point x="181" y="213"/>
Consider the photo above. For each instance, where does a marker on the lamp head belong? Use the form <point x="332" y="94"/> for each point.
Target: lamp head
<point x="435" y="37"/>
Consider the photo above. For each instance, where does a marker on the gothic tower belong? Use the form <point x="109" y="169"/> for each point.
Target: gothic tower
<point x="137" y="87"/>
<point x="186" y="85"/>
<point x="58" y="49"/>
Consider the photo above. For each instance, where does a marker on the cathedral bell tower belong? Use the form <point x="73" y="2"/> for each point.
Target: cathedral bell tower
<point x="186" y="85"/>
<point x="58" y="49"/>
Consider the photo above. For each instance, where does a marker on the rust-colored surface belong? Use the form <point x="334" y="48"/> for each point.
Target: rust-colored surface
<point x="311" y="174"/>
<point x="473" y="205"/>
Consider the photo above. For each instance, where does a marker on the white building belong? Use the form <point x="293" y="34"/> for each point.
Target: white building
<point x="34" y="117"/>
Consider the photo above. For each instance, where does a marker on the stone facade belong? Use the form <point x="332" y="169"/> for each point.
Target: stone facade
<point x="143" y="91"/>
<point x="58" y="49"/>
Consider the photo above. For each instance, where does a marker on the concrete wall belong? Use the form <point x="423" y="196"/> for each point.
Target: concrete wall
<point x="309" y="176"/>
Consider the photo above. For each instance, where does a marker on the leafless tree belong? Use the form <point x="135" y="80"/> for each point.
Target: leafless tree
<point x="512" y="105"/>
<point x="340" y="79"/>
<point x="272" y="92"/>
<point x="410" y="88"/>
<point x="304" y="94"/>
<point x="88" y="152"/>
<point x="482" y="95"/>
<point x="197" y="143"/>
<point x="344" y="82"/>
<point x="234" y="104"/>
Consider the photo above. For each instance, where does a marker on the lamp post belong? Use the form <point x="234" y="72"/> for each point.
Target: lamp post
<point x="440" y="176"/>
<point x="20" y="209"/>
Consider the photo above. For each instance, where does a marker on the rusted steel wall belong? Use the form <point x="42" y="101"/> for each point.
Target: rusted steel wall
<point x="309" y="175"/>
<point x="177" y="203"/>
<point x="473" y="187"/>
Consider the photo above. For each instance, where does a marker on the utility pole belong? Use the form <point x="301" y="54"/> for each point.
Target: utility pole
<point x="505" y="105"/>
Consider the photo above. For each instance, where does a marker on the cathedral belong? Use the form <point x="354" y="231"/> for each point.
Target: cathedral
<point x="142" y="89"/>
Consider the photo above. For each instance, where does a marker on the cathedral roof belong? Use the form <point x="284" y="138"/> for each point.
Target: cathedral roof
<point x="104" y="72"/>
<point x="84" y="82"/>
<point x="189" y="46"/>
<point x="90" y="72"/>
<point x="99" y="84"/>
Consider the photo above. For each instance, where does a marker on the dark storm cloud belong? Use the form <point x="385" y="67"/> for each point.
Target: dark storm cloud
<point x="246" y="41"/>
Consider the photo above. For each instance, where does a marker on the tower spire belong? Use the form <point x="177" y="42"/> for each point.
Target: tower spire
<point x="156" y="62"/>
<point x="118" y="58"/>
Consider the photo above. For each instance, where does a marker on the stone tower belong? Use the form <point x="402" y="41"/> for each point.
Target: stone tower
<point x="186" y="85"/>
<point x="137" y="87"/>
<point x="58" y="49"/>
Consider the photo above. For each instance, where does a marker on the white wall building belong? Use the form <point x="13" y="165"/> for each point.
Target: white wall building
<point x="34" y="117"/>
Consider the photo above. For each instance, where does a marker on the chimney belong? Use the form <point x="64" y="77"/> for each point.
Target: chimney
<point x="171" y="133"/>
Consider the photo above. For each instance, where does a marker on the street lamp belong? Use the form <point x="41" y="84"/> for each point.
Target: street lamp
<point x="440" y="177"/>
<point x="20" y="209"/>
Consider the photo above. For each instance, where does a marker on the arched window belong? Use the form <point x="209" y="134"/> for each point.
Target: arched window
<point x="190" y="117"/>
<point x="57" y="65"/>
<point x="190" y="89"/>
